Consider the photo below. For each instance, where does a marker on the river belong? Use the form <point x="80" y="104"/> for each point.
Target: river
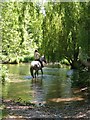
<point x="54" y="88"/>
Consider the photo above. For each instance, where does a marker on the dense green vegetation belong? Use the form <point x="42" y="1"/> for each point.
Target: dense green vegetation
<point x="59" y="30"/>
<point x="66" y="34"/>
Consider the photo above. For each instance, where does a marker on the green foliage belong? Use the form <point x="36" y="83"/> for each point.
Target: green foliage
<point x="28" y="59"/>
<point x="60" y="33"/>
<point x="4" y="74"/>
<point x="21" y="30"/>
<point x="84" y="28"/>
<point x="65" y="61"/>
<point x="81" y="78"/>
<point x="63" y="32"/>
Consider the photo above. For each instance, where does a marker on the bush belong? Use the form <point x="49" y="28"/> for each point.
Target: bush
<point x="4" y="72"/>
<point x="28" y="59"/>
<point x="64" y="61"/>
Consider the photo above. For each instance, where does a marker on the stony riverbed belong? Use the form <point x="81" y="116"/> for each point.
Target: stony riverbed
<point x="16" y="111"/>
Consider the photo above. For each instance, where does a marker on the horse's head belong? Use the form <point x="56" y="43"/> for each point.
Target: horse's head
<point x="43" y="59"/>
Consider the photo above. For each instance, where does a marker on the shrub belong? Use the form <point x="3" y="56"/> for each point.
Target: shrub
<point x="4" y="72"/>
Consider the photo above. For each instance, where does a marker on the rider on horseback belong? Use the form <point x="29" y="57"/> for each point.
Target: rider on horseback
<point x="37" y="57"/>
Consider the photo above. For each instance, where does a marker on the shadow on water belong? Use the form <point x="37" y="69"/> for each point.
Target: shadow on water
<point x="54" y="88"/>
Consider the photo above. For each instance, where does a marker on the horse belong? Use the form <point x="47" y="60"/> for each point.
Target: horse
<point x="36" y="66"/>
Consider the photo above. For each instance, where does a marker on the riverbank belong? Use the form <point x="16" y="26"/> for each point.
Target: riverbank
<point x="19" y="111"/>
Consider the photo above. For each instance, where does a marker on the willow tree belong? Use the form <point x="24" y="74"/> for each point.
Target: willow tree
<point x="52" y="32"/>
<point x="70" y="29"/>
<point x="84" y="30"/>
<point x="63" y="32"/>
<point x="60" y="26"/>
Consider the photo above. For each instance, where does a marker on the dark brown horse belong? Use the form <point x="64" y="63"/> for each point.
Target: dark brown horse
<point x="36" y="66"/>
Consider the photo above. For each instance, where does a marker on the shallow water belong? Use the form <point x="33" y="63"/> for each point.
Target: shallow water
<point x="54" y="88"/>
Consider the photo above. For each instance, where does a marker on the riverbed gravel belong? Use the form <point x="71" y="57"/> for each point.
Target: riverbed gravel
<point x="18" y="111"/>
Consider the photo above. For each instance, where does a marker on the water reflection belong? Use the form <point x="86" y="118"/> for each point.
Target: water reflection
<point x="20" y="69"/>
<point x="59" y="88"/>
<point x="38" y="91"/>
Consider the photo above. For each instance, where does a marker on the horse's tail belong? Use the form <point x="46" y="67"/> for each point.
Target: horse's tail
<point x="31" y="71"/>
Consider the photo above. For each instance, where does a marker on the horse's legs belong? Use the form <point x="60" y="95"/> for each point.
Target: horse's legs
<point x="31" y="70"/>
<point x="42" y="71"/>
<point x="36" y="73"/>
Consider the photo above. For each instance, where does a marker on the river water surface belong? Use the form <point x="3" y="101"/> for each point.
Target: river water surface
<point x="54" y="88"/>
